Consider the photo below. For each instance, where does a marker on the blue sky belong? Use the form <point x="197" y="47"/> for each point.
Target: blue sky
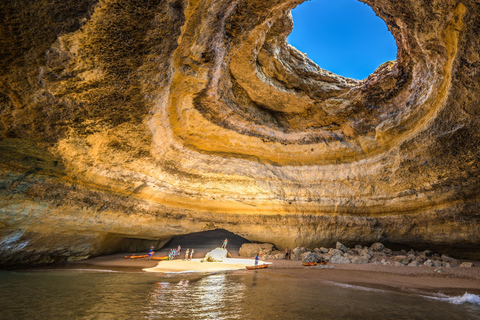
<point x="342" y="36"/>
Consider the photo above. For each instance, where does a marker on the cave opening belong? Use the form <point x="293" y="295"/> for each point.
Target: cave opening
<point x="344" y="36"/>
<point x="205" y="241"/>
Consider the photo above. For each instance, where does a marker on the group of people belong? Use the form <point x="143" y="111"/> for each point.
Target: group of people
<point x="191" y="254"/>
<point x="173" y="253"/>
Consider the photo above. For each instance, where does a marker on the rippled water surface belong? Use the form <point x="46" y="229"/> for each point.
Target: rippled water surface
<point x="62" y="294"/>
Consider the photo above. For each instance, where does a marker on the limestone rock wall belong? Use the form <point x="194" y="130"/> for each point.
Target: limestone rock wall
<point x="126" y="120"/>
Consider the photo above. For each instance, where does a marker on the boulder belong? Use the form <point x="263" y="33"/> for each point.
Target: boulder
<point x="310" y="257"/>
<point x="339" y="260"/>
<point x="420" y="259"/>
<point x="268" y="257"/>
<point x="384" y="262"/>
<point x="297" y="253"/>
<point x="375" y="254"/>
<point x="411" y="256"/>
<point x="216" y="255"/>
<point x="299" y="250"/>
<point x="437" y="263"/>
<point x="324" y="257"/>
<point x="360" y="260"/>
<point x="340" y="246"/>
<point x="280" y="256"/>
<point x="252" y="249"/>
<point x="428" y="263"/>
<point x="446" y="258"/>
<point x="377" y="246"/>
<point x="377" y="259"/>
<point x="404" y="260"/>
<point x="366" y="252"/>
<point x="324" y="250"/>
<point x="335" y="252"/>
<point x="414" y="263"/>
<point x="466" y="264"/>
<point x="351" y="251"/>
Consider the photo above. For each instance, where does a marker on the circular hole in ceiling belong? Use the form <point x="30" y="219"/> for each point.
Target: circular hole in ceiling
<point x="342" y="36"/>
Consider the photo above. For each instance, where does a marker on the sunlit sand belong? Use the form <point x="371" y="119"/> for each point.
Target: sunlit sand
<point x="194" y="265"/>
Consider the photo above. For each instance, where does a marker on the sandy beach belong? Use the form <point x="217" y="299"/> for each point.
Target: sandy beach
<point x="195" y="265"/>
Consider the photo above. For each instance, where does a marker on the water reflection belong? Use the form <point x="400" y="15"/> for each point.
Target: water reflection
<point x="254" y="281"/>
<point x="210" y="297"/>
<point x="237" y="295"/>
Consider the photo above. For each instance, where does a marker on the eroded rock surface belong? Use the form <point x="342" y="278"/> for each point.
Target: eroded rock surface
<point x="216" y="255"/>
<point x="124" y="120"/>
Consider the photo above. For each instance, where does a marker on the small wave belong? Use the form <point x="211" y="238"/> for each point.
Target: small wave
<point x="466" y="298"/>
<point x="354" y="287"/>
<point x="81" y="270"/>
<point x="97" y="270"/>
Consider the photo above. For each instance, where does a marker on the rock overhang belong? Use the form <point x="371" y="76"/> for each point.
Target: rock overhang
<point x="208" y="118"/>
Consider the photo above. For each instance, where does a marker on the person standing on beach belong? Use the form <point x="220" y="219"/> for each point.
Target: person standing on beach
<point x="191" y="254"/>
<point x="286" y="253"/>
<point x="224" y="245"/>
<point x="256" y="260"/>
<point x="186" y="254"/>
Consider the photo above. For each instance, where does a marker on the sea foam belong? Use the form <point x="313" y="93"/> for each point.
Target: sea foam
<point x="466" y="298"/>
<point x="354" y="287"/>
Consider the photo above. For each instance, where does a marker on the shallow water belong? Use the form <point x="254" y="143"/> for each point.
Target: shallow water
<point x="82" y="294"/>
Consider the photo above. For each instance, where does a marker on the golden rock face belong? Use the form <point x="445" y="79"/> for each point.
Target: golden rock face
<point x="129" y="120"/>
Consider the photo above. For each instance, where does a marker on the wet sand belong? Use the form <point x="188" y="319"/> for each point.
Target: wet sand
<point x="463" y="279"/>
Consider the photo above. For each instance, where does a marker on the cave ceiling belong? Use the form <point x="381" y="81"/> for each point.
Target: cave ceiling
<point x="147" y="119"/>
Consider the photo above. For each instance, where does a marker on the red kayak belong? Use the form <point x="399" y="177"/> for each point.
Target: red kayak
<point x="160" y="258"/>
<point x="262" y="266"/>
<point x="136" y="257"/>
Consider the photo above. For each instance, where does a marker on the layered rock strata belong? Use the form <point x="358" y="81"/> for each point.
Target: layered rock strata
<point x="129" y="120"/>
